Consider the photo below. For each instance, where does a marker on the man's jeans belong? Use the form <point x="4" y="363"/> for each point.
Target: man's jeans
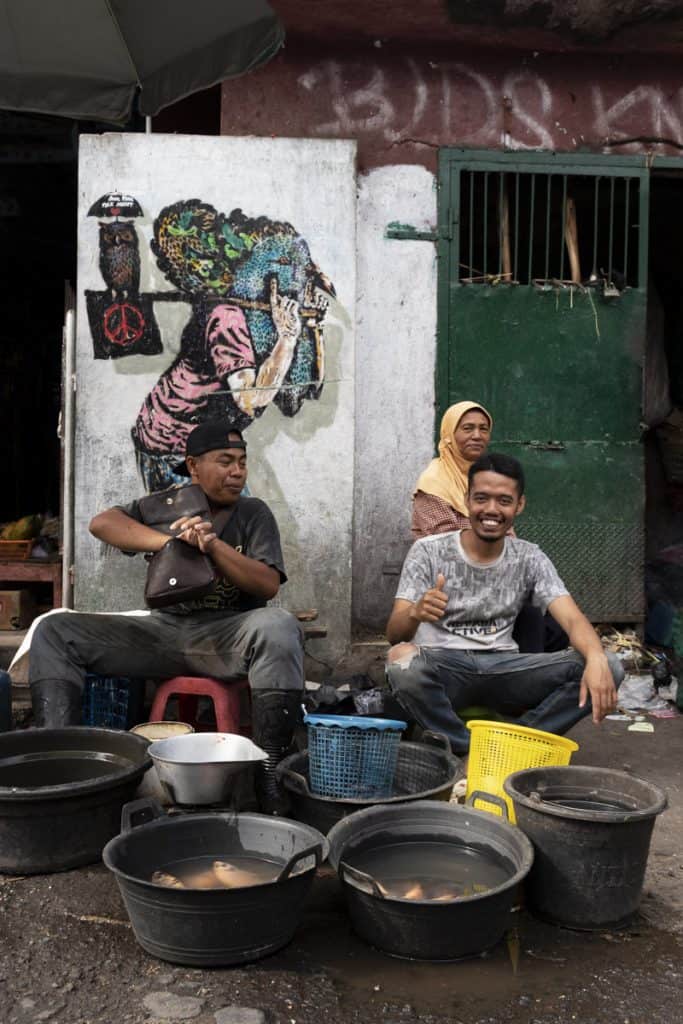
<point x="264" y="644"/>
<point x="433" y="683"/>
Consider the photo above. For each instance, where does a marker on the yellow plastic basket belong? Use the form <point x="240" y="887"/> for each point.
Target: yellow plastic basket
<point x="498" y="749"/>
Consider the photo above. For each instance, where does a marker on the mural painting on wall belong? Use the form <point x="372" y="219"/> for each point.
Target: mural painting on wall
<point x="121" y="320"/>
<point x="254" y="335"/>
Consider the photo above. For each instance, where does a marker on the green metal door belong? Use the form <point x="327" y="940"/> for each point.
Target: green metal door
<point x="542" y="319"/>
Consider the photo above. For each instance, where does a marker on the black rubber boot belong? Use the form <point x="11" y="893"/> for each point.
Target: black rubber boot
<point x="274" y="716"/>
<point x="56" y="703"/>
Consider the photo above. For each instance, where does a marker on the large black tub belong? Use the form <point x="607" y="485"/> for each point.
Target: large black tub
<point x="212" y="927"/>
<point x="423" y="929"/>
<point x="591" y="830"/>
<point x="61" y="794"/>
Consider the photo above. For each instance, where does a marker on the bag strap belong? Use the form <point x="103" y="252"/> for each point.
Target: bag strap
<point x="221" y="520"/>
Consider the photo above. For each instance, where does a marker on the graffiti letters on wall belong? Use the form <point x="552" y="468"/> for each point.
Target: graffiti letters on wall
<point x="255" y="331"/>
<point x="455" y="103"/>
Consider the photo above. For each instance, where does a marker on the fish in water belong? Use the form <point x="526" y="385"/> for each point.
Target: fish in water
<point x="204" y="879"/>
<point x="428" y="889"/>
<point x="232" y="877"/>
<point x="431" y="872"/>
<point x="221" y="875"/>
<point x="169" y="881"/>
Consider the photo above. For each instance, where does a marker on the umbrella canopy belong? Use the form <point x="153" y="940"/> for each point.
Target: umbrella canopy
<point x="88" y="58"/>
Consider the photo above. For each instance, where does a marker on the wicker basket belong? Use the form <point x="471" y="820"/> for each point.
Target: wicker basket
<point x="15" y="550"/>
<point x="352" y="756"/>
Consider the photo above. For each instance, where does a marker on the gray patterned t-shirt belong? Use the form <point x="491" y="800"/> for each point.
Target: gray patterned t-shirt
<point x="483" y="600"/>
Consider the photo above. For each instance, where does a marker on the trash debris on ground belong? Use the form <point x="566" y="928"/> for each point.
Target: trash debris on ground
<point x="638" y="693"/>
<point x="641" y="727"/>
<point x="459" y="792"/>
<point x="669" y="692"/>
<point x="369" y="702"/>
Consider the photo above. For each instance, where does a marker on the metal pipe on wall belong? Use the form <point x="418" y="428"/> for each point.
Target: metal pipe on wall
<point x="68" y="432"/>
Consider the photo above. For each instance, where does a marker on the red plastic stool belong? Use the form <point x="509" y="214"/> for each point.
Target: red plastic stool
<point x="188" y="689"/>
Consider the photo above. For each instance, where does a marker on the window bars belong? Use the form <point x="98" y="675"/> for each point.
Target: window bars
<point x="548" y="229"/>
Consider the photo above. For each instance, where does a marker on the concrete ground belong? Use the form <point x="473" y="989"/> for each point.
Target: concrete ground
<point x="68" y="954"/>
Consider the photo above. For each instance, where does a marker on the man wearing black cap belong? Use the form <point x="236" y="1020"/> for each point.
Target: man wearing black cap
<point x="225" y="635"/>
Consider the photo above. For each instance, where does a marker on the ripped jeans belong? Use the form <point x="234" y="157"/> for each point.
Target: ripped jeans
<point x="537" y="690"/>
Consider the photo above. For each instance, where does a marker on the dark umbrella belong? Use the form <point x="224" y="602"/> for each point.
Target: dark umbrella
<point x="88" y="58"/>
<point x="115" y="204"/>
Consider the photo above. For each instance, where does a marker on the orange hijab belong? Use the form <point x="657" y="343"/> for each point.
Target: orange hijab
<point x="446" y="476"/>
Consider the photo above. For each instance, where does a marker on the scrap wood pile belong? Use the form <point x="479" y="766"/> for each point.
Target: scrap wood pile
<point x="630" y="650"/>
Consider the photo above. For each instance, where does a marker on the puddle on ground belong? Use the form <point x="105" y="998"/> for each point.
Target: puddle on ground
<point x="533" y="956"/>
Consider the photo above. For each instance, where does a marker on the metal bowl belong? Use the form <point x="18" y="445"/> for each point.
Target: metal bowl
<point x="203" y="768"/>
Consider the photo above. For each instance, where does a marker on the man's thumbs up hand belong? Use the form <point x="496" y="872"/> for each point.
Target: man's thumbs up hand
<point x="432" y="605"/>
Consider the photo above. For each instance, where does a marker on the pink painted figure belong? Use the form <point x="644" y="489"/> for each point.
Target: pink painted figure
<point x="217" y="355"/>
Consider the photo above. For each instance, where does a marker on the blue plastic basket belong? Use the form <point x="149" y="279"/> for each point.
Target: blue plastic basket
<point x="111" y="702"/>
<point x="352" y="757"/>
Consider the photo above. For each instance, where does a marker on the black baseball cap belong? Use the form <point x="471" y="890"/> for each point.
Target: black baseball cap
<point x="207" y="437"/>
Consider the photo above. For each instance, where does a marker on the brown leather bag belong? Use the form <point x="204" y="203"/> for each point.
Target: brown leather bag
<point x="162" y="508"/>
<point x="178" y="572"/>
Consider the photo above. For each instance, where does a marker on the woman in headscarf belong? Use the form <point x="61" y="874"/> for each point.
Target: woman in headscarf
<point x="439" y="497"/>
<point x="439" y="506"/>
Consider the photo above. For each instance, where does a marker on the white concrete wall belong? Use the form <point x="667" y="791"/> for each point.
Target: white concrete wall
<point x="302" y="466"/>
<point x="395" y="364"/>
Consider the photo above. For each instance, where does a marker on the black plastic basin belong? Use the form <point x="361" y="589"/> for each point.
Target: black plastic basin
<point x="212" y="927"/>
<point x="61" y="794"/>
<point x="591" y="830"/>
<point x="421" y="929"/>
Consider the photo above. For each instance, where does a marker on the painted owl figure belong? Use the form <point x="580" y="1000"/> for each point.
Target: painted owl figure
<point x="120" y="257"/>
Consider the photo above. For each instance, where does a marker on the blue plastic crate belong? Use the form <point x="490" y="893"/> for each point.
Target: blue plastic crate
<point x="111" y="702"/>
<point x="352" y="757"/>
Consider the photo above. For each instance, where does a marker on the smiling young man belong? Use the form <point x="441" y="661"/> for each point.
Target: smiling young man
<point x="228" y="634"/>
<point x="452" y="620"/>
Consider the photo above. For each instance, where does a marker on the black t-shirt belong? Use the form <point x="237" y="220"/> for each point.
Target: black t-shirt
<point x="253" y="532"/>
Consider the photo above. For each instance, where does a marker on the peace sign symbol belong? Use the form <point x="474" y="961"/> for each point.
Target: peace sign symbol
<point x="123" y="323"/>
